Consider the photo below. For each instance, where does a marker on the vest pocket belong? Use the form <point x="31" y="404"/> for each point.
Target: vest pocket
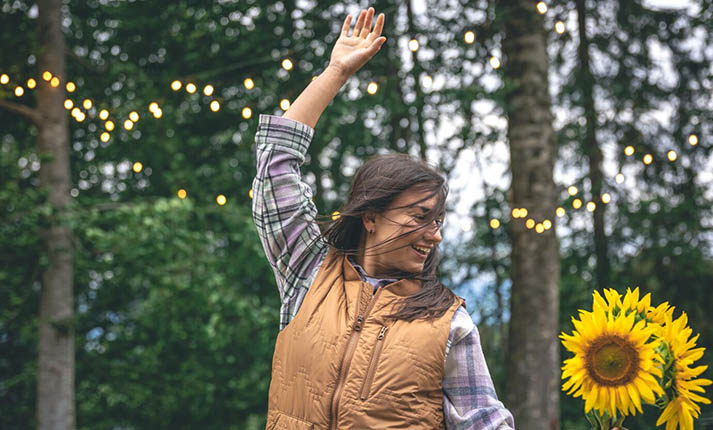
<point x="286" y="422"/>
<point x="371" y="370"/>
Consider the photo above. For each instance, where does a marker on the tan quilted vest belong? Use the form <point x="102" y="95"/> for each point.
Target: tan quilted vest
<point x="341" y="365"/>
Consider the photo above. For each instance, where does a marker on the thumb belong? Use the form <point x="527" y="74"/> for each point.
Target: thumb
<point x="376" y="44"/>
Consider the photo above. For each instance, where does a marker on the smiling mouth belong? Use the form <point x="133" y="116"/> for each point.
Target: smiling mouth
<point x="421" y="250"/>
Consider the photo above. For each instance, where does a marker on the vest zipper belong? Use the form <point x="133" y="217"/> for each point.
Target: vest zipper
<point x="348" y="354"/>
<point x="373" y="363"/>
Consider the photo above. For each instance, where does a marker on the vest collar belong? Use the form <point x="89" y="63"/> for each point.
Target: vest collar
<point x="403" y="287"/>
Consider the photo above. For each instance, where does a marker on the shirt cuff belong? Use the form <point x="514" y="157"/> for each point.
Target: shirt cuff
<point x="283" y="134"/>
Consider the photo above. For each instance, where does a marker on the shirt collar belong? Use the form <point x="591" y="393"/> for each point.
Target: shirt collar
<point x="375" y="282"/>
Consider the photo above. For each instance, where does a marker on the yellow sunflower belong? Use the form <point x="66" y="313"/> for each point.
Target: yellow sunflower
<point x="612" y="301"/>
<point x="679" y="353"/>
<point x="614" y="366"/>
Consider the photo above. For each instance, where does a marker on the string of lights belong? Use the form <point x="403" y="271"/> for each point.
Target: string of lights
<point x="81" y="111"/>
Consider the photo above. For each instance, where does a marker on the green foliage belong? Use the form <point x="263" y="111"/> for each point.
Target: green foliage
<point x="176" y="319"/>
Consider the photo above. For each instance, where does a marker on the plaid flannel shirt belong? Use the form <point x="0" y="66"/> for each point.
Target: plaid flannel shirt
<point x="283" y="211"/>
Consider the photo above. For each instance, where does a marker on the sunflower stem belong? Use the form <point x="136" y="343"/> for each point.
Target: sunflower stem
<point x="619" y="422"/>
<point x="594" y="423"/>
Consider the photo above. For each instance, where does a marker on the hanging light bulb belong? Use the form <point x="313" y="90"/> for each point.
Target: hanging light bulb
<point x="103" y="114"/>
<point x="208" y="90"/>
<point x="249" y="84"/>
<point x="287" y="64"/>
<point x="494" y="62"/>
<point x="284" y="104"/>
<point x="134" y="116"/>
<point x="70" y="87"/>
<point x="221" y="200"/>
<point x="541" y="7"/>
<point x="372" y="88"/>
<point x="247" y="113"/>
<point x="469" y="37"/>
<point x="176" y="85"/>
<point x="427" y="81"/>
<point x="137" y="167"/>
<point x="68" y="104"/>
<point x="494" y="224"/>
<point x="181" y="194"/>
<point x="31" y="83"/>
<point x="413" y="45"/>
<point x="559" y="27"/>
<point x="190" y="88"/>
<point x="215" y="106"/>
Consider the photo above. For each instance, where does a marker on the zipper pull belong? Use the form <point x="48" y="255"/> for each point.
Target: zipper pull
<point x="382" y="333"/>
<point x="359" y="322"/>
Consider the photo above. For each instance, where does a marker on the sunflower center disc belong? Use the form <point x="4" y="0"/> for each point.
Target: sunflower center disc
<point x="612" y="361"/>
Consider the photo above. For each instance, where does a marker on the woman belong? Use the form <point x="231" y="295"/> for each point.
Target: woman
<point x="378" y="342"/>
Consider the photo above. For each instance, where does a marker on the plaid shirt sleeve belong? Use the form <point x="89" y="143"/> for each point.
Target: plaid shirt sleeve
<point x="469" y="399"/>
<point x="283" y="210"/>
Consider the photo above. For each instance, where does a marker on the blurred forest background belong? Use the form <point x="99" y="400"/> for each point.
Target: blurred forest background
<point x="175" y="310"/>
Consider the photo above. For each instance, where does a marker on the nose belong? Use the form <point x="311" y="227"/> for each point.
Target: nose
<point x="433" y="232"/>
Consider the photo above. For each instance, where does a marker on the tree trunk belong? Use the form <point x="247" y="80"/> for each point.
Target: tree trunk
<point x="594" y="153"/>
<point x="55" y="380"/>
<point x="533" y="356"/>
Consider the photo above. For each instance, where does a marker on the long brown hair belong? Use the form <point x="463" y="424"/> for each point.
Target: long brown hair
<point x="375" y="186"/>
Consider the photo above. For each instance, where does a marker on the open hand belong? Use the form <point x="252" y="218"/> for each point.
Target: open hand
<point x="352" y="52"/>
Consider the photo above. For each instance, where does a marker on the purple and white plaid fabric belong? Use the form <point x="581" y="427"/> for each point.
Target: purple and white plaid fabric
<point x="283" y="212"/>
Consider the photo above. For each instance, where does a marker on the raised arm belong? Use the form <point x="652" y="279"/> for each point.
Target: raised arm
<point x="283" y="210"/>
<point x="349" y="54"/>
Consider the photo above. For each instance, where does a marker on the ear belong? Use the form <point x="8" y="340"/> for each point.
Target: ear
<point x="369" y="221"/>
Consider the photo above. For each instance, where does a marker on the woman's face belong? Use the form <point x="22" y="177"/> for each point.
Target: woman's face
<point x="407" y="253"/>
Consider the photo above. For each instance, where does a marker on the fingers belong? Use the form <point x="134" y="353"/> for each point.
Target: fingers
<point x="378" y="27"/>
<point x="362" y="28"/>
<point x="367" y="23"/>
<point x="346" y="25"/>
<point x="359" y="24"/>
